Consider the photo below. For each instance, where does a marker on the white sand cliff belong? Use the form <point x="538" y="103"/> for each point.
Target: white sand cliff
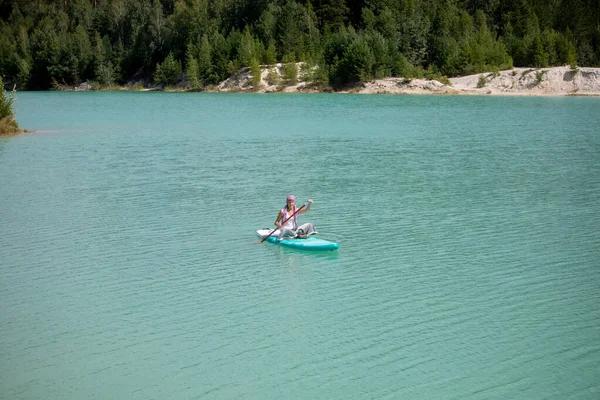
<point x="556" y="81"/>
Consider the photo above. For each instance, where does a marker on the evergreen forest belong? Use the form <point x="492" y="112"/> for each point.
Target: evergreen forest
<point x="198" y="43"/>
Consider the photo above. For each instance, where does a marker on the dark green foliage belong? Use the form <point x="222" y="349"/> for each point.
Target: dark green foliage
<point x="539" y="77"/>
<point x="273" y="77"/>
<point x="249" y="48"/>
<point x="6" y="103"/>
<point x="219" y="53"/>
<point x="116" y="41"/>
<point x="289" y="71"/>
<point x="192" y="72"/>
<point x="481" y="82"/>
<point x="403" y="68"/>
<point x="413" y="38"/>
<point x="381" y="59"/>
<point x="332" y="14"/>
<point x="471" y="49"/>
<point x="206" y="69"/>
<point x="169" y="72"/>
<point x="255" y="71"/>
<point x="539" y="58"/>
<point x="356" y="64"/>
<point x="267" y="24"/>
<point x="314" y="73"/>
<point x="8" y="124"/>
<point x="103" y="70"/>
<point x="270" y="54"/>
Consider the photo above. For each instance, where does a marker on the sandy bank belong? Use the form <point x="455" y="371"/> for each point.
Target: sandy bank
<point x="556" y="81"/>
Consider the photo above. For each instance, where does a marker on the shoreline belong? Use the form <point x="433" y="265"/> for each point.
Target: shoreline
<point x="554" y="81"/>
<point x="518" y="82"/>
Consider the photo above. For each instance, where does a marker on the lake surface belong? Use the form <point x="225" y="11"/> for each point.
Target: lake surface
<point x="468" y="268"/>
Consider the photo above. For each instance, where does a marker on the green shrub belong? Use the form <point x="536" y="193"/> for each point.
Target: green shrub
<point x="444" y="79"/>
<point x="273" y="77"/>
<point x="316" y="75"/>
<point x="24" y="73"/>
<point x="403" y="68"/>
<point x="526" y="72"/>
<point x="289" y="71"/>
<point x="306" y="71"/>
<point x="192" y="72"/>
<point x="539" y="77"/>
<point x="6" y="102"/>
<point x="270" y="56"/>
<point x="105" y="74"/>
<point x="8" y="124"/>
<point x="169" y="71"/>
<point x="256" y="72"/>
<point x="432" y="73"/>
<point x="233" y="68"/>
<point x="290" y="74"/>
<point x="357" y="63"/>
<point x="481" y="82"/>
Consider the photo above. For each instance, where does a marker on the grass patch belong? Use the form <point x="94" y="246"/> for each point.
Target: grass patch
<point x="9" y="127"/>
<point x="98" y="86"/>
<point x="444" y="79"/>
<point x="524" y="73"/>
<point x="539" y="77"/>
<point x="137" y="87"/>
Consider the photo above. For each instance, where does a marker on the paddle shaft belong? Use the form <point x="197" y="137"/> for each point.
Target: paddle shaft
<point x="283" y="223"/>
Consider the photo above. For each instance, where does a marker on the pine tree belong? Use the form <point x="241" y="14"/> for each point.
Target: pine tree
<point x="255" y="71"/>
<point x="270" y="54"/>
<point x="192" y="73"/>
<point x="205" y="65"/>
<point x="169" y="72"/>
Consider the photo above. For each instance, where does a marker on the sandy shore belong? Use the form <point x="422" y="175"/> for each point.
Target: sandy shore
<point x="556" y="81"/>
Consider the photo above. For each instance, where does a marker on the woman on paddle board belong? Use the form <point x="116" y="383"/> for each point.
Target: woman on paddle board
<point x="289" y="214"/>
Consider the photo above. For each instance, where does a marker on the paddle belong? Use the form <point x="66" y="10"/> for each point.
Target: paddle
<point x="283" y="223"/>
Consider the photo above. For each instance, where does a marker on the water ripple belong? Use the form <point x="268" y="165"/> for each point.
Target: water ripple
<point x="467" y="266"/>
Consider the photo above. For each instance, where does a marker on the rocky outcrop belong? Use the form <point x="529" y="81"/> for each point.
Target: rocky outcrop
<point x="272" y="80"/>
<point x="557" y="81"/>
<point x="405" y="86"/>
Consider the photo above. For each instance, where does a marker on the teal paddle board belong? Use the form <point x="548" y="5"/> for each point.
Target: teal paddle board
<point x="310" y="243"/>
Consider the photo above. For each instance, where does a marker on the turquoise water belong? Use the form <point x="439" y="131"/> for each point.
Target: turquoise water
<point x="468" y="269"/>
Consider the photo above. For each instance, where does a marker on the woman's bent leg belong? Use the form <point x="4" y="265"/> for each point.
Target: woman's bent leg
<point x="286" y="233"/>
<point x="306" y="230"/>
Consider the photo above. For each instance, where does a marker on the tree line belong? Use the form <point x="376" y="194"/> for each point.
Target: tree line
<point x="202" y="42"/>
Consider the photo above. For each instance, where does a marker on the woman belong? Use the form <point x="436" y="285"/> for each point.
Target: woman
<point x="288" y="215"/>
